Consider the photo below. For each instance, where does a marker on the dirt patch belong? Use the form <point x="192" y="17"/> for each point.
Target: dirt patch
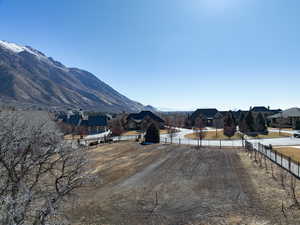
<point x="168" y="184"/>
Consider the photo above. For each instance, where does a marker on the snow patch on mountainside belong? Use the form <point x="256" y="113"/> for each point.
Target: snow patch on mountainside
<point x="15" y="48"/>
<point x="12" y="46"/>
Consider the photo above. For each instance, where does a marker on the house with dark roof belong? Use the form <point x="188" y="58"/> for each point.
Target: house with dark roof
<point x="213" y="117"/>
<point x="285" y="119"/>
<point x="91" y="124"/>
<point x="259" y="109"/>
<point x="135" y="121"/>
<point x="264" y="110"/>
<point x="210" y="117"/>
<point x="95" y="123"/>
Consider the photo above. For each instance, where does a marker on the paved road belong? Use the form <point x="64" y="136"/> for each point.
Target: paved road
<point x="180" y="137"/>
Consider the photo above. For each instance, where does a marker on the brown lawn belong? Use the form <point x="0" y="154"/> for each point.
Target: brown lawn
<point x="168" y="185"/>
<point x="134" y="132"/>
<point x="292" y="152"/>
<point x="276" y="128"/>
<point x="70" y="137"/>
<point x="274" y="135"/>
<point x="211" y="135"/>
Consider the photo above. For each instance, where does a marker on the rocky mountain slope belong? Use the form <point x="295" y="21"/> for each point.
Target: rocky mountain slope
<point x="29" y="77"/>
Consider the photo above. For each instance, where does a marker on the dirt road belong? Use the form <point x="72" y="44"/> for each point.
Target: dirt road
<point x="165" y="184"/>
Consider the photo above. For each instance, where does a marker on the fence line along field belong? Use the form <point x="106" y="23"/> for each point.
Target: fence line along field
<point x="171" y="184"/>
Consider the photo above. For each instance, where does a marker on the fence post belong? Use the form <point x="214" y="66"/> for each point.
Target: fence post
<point x="289" y="163"/>
<point x="179" y="141"/>
<point x="165" y="140"/>
<point x="220" y="144"/>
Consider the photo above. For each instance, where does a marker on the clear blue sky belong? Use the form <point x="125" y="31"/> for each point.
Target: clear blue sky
<point x="179" y="54"/>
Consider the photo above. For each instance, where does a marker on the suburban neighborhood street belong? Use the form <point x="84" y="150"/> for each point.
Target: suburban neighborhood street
<point x="180" y="136"/>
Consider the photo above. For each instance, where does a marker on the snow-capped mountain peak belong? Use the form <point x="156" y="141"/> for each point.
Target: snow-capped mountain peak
<point x="12" y="46"/>
<point x="19" y="48"/>
<point x="16" y="49"/>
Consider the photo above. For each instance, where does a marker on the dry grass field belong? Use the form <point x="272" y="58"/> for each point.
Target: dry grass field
<point x="275" y="135"/>
<point x="72" y="137"/>
<point x="133" y="132"/>
<point x="171" y="185"/>
<point x="292" y="152"/>
<point x="213" y="135"/>
<point x="275" y="128"/>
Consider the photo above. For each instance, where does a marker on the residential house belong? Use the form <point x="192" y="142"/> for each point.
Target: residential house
<point x="210" y="116"/>
<point x="89" y="123"/>
<point x="285" y="119"/>
<point x="138" y="121"/>
<point x="95" y="124"/>
<point x="264" y="111"/>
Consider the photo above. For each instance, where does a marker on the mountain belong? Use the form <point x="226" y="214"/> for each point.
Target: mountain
<point x="30" y="78"/>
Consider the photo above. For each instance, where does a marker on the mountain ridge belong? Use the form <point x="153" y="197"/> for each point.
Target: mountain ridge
<point x="28" y="76"/>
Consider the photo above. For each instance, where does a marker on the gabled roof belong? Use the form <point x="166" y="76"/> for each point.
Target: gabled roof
<point x="259" y="109"/>
<point x="292" y="112"/>
<point x="208" y="113"/>
<point x="143" y="114"/>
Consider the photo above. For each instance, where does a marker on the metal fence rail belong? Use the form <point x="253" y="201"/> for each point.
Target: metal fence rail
<point x="287" y="163"/>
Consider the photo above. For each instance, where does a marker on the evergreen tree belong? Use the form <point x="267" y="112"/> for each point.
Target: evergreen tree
<point x="242" y="122"/>
<point x="260" y="124"/>
<point x="249" y="128"/>
<point x="152" y="134"/>
<point x="297" y="127"/>
<point x="229" y="125"/>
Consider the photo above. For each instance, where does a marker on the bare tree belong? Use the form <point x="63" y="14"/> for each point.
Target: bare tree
<point x="116" y="127"/>
<point x="171" y="133"/>
<point x="66" y="128"/>
<point x="38" y="171"/>
<point x="171" y="130"/>
<point x="200" y="130"/>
